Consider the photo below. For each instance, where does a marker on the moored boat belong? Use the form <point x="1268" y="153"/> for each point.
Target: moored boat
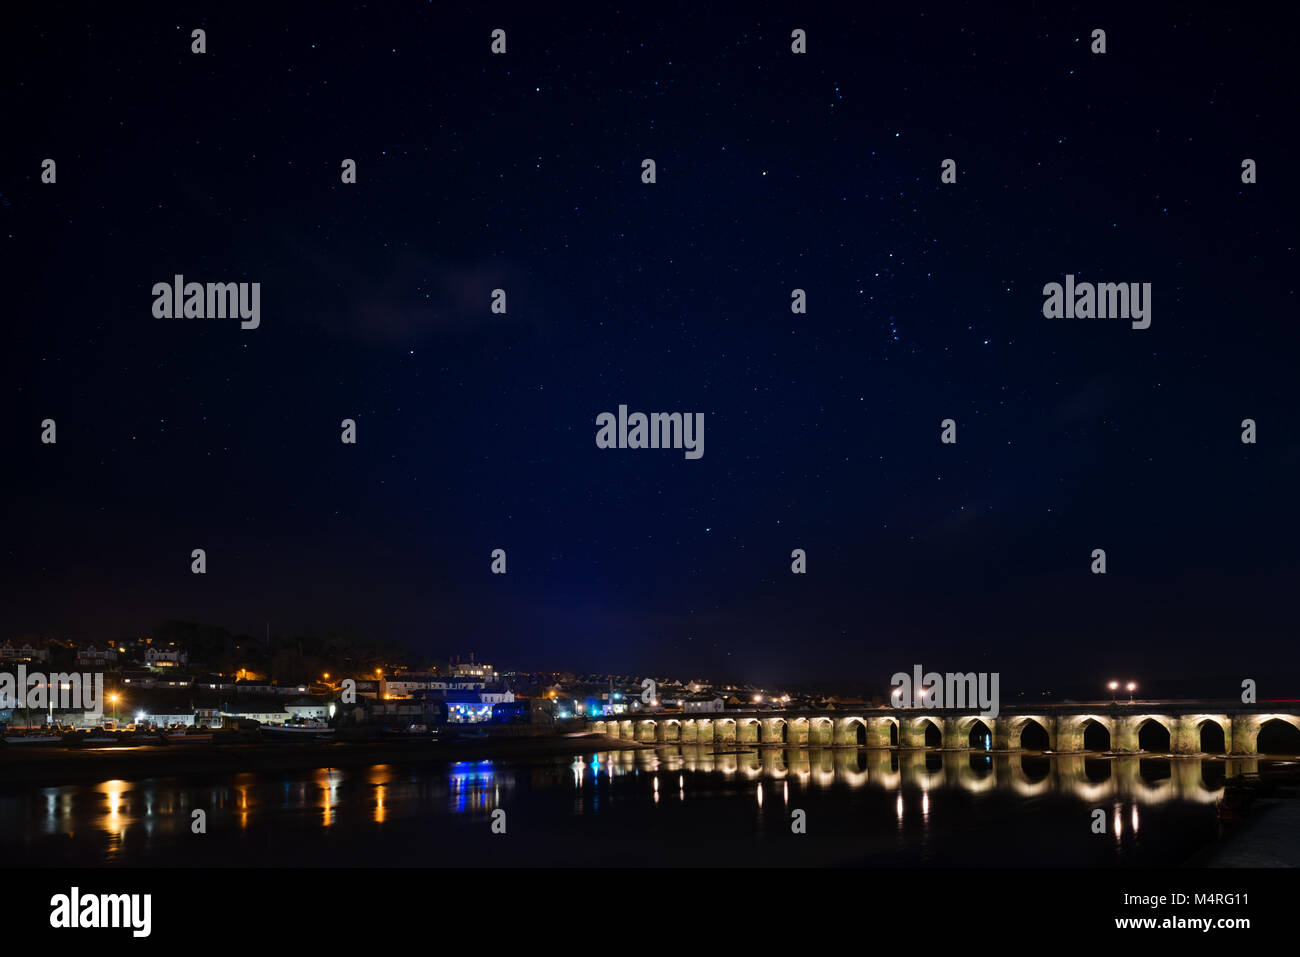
<point x="304" y="731"/>
<point x="187" y="737"/>
<point x="29" y="740"/>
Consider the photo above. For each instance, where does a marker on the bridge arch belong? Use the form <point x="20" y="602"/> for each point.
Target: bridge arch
<point x="1276" y="734"/>
<point x="976" y="733"/>
<point x="1035" y="735"/>
<point x="1085" y="732"/>
<point x="1151" y="732"/>
<point x="852" y="731"/>
<point x="921" y="732"/>
<point x="774" y="731"/>
<point x="669" y="731"/>
<point x="1213" y="735"/>
<point x="1098" y="735"/>
<point x="1009" y="733"/>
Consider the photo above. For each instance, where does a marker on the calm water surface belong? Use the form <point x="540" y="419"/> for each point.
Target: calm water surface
<point x="676" y="805"/>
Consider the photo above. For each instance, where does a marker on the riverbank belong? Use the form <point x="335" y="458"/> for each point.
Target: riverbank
<point x="55" y="766"/>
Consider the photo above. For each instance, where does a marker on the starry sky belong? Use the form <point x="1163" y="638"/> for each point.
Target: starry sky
<point x="775" y="171"/>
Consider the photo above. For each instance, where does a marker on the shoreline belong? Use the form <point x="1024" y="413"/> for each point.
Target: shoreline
<point x="60" y="766"/>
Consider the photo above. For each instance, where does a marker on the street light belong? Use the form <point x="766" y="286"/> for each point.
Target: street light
<point x="113" y="698"/>
<point x="1113" y="686"/>
<point x="1132" y="686"/>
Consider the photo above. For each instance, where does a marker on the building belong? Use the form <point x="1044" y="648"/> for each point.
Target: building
<point x="184" y="719"/>
<point x="699" y="703"/>
<point x="472" y="669"/>
<point x="407" y="683"/>
<point x="312" y="708"/>
<point x="467" y="707"/>
<point x="166" y="658"/>
<point x="410" y="685"/>
<point x="512" y="712"/>
<point x="270" y="687"/>
<point x="26" y="653"/>
<point x="263" y="713"/>
<point x="92" y="657"/>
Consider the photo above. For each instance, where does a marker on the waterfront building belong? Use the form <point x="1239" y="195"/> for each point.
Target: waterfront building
<point x="26" y="653"/>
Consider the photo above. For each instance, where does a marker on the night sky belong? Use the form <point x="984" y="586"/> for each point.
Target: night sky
<point x="775" y="171"/>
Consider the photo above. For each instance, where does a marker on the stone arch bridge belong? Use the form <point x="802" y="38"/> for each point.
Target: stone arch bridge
<point x="1063" y="725"/>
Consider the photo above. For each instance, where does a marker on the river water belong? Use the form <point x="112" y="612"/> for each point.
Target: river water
<point x="675" y="805"/>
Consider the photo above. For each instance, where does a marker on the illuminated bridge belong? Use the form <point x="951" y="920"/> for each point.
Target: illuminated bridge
<point x="1178" y="727"/>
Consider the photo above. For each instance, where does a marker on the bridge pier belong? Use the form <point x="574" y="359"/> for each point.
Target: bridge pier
<point x="796" y="732"/>
<point x="704" y="730"/>
<point x="1245" y="734"/>
<point x="878" y="732"/>
<point x="911" y="732"/>
<point x="690" y="732"/>
<point x="846" y="731"/>
<point x="821" y="732"/>
<point x="724" y="731"/>
<point x="956" y="735"/>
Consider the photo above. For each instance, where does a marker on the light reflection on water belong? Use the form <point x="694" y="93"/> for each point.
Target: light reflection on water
<point x="924" y="793"/>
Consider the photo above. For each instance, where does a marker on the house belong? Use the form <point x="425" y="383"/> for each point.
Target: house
<point x="26" y="653"/>
<point x="263" y="712"/>
<point x="166" y="658"/>
<point x="703" y="703"/>
<point x="92" y="657"/>
<point x="314" y="708"/>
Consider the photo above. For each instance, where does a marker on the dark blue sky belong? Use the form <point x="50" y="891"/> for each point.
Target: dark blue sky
<point x="775" y="171"/>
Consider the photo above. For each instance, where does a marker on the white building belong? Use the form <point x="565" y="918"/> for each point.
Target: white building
<point x="91" y="655"/>
<point x="166" y="658"/>
<point x="406" y="685"/>
<point x="307" y="708"/>
<point x="26" y="653"/>
<point x="473" y="669"/>
<point x="703" y="704"/>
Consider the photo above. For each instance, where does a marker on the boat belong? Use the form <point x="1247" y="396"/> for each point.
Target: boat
<point x="101" y="738"/>
<point x="414" y="731"/>
<point x="32" y="739"/>
<point x="305" y="731"/>
<point x="187" y="737"/>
